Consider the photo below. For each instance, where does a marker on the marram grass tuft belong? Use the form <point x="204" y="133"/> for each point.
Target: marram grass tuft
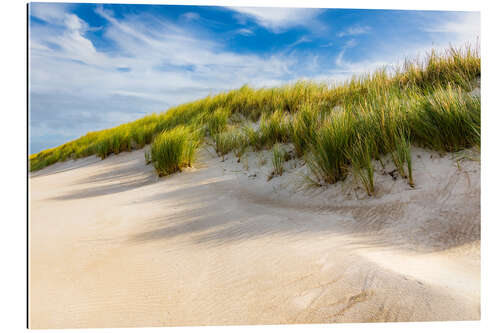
<point x="172" y="150"/>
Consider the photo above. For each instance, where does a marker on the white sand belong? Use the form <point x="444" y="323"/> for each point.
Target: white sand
<point x="113" y="246"/>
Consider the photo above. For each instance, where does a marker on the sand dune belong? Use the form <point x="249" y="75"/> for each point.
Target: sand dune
<point x="111" y="245"/>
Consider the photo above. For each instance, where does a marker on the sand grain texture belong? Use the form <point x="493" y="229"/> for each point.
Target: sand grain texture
<point x="111" y="245"/>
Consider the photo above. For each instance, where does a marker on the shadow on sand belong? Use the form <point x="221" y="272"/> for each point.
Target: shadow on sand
<point x="236" y="215"/>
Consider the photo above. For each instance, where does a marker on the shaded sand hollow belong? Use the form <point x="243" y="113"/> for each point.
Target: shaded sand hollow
<point x="111" y="245"/>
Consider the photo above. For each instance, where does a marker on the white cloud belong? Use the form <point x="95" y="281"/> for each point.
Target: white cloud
<point x="190" y="16"/>
<point x="355" y="30"/>
<point x="299" y="41"/>
<point x="49" y="12"/>
<point x="464" y="27"/>
<point x="164" y="66"/>
<point x="339" y="61"/>
<point x="278" y="19"/>
<point x="245" y="32"/>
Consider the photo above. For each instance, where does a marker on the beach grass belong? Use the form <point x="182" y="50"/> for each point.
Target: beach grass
<point x="328" y="159"/>
<point x="336" y="129"/>
<point x="448" y="120"/>
<point x="278" y="159"/>
<point x="360" y="157"/>
<point x="172" y="150"/>
<point x="401" y="157"/>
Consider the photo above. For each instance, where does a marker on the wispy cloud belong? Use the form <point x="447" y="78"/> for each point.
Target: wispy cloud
<point x="462" y="27"/>
<point x="355" y="30"/>
<point x="190" y="16"/>
<point x="339" y="61"/>
<point x="245" y="32"/>
<point x="299" y="41"/>
<point x="277" y="19"/>
<point x="50" y="12"/>
<point x="69" y="76"/>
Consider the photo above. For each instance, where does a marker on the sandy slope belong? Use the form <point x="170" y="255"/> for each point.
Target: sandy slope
<point x="113" y="246"/>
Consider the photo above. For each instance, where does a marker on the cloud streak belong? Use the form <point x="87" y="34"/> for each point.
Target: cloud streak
<point x="277" y="19"/>
<point x="150" y="70"/>
<point x="463" y="27"/>
<point x="354" y="31"/>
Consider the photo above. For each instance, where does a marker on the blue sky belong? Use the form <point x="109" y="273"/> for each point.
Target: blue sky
<point x="94" y="66"/>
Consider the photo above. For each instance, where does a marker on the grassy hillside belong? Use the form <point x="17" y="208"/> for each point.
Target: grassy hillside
<point x="337" y="129"/>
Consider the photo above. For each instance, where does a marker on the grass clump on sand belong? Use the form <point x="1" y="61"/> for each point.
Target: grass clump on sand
<point x="172" y="150"/>
<point x="254" y="137"/>
<point x="273" y="128"/>
<point x="459" y="67"/>
<point x="401" y="157"/>
<point x="328" y="160"/>
<point x="278" y="158"/>
<point x="231" y="140"/>
<point x="360" y="157"/>
<point x="337" y="129"/>
<point x="448" y="120"/>
<point x="302" y="129"/>
<point x="217" y="121"/>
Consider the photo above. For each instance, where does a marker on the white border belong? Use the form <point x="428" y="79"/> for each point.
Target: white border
<point x="13" y="164"/>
